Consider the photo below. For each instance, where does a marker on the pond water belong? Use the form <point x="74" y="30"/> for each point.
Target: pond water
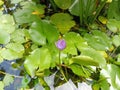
<point x="6" y="67"/>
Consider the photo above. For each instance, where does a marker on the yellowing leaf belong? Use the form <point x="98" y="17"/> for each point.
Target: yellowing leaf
<point x="1" y="2"/>
<point x="35" y="13"/>
<point x="102" y="19"/>
<point x="108" y="1"/>
<point x="103" y="53"/>
<point x="112" y="48"/>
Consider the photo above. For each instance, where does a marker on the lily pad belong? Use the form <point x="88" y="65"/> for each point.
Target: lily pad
<point x="62" y="3"/>
<point x="63" y="21"/>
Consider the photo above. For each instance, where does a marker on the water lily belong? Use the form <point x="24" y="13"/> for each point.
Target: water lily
<point x="61" y="44"/>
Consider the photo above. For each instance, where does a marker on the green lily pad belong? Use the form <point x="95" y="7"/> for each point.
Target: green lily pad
<point x="73" y="41"/>
<point x="98" y="40"/>
<point x="113" y="25"/>
<point x="39" y="58"/>
<point x="63" y="21"/>
<point x="1" y="85"/>
<point x="116" y="40"/>
<point x="12" y="51"/>
<point x="4" y="37"/>
<point x="63" y="4"/>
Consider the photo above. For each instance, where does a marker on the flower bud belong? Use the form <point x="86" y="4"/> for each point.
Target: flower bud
<point x="61" y="44"/>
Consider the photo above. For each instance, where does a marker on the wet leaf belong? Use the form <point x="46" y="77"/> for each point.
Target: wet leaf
<point x="63" y="21"/>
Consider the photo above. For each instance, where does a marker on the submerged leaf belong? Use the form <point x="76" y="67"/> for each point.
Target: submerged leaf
<point x="8" y="79"/>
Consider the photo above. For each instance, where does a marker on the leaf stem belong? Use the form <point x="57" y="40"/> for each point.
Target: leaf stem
<point x="61" y="70"/>
<point x="43" y="83"/>
<point x="10" y="74"/>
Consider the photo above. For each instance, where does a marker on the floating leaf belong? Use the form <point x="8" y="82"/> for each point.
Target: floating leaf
<point x="13" y="51"/>
<point x="1" y="59"/>
<point x="1" y="85"/>
<point x="113" y="25"/>
<point x="4" y="37"/>
<point x="25" y="15"/>
<point x="10" y="54"/>
<point x="75" y="8"/>
<point x="7" y="23"/>
<point x="36" y="33"/>
<point x="73" y="41"/>
<point x="116" y="40"/>
<point x="98" y="40"/>
<point x="42" y="30"/>
<point x="20" y="34"/>
<point x="8" y="79"/>
<point x="84" y="60"/>
<point x="63" y="21"/>
<point x="62" y="3"/>
<point x="15" y="47"/>
<point x="39" y="58"/>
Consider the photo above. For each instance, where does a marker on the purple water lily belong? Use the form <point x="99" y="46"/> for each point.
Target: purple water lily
<point x="61" y="44"/>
